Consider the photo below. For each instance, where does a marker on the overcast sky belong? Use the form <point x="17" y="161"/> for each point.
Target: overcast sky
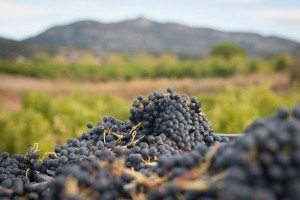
<point x="23" y="18"/>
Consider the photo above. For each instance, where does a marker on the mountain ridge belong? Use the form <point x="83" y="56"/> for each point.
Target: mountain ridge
<point x="142" y="34"/>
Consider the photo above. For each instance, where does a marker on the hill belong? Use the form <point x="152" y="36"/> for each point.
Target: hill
<point x="12" y="49"/>
<point x="139" y="34"/>
<point x="142" y="34"/>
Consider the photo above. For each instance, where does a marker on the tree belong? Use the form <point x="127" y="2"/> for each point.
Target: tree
<point x="280" y="62"/>
<point x="227" y="50"/>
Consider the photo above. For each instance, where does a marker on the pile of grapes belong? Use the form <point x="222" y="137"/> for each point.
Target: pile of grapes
<point x="166" y="150"/>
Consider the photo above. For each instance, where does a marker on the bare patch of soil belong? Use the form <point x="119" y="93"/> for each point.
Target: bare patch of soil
<point x="12" y="88"/>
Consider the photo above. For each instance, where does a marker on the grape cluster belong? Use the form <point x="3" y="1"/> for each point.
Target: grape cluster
<point x="92" y="180"/>
<point x="111" y="179"/>
<point x="105" y="141"/>
<point x="162" y="125"/>
<point x="262" y="164"/>
<point x="178" y="118"/>
<point x="15" y="173"/>
<point x="267" y="160"/>
<point x="180" y="164"/>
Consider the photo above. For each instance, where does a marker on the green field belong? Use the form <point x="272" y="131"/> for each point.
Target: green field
<point x="49" y="121"/>
<point x="145" y="66"/>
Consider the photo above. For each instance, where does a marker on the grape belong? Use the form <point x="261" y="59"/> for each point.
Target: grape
<point x="18" y="186"/>
<point x="37" y="166"/>
<point x="169" y="90"/>
<point x="5" y="155"/>
<point x="90" y="125"/>
<point x="296" y="112"/>
<point x="35" y="155"/>
<point x="63" y="160"/>
<point x="7" y="183"/>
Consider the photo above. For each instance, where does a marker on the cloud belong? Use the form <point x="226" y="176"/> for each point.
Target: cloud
<point x="13" y="10"/>
<point x="275" y="16"/>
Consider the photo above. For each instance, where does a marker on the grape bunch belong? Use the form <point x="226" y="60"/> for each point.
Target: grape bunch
<point x="267" y="160"/>
<point x="15" y="174"/>
<point x="180" y="164"/>
<point x="111" y="179"/>
<point x="108" y="139"/>
<point x="92" y="180"/>
<point x="262" y="164"/>
<point x="162" y="125"/>
<point x="178" y="118"/>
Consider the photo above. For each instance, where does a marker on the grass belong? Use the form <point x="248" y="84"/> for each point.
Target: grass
<point x="145" y="66"/>
<point x="49" y="112"/>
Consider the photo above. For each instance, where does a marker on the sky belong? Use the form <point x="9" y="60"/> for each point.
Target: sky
<point x="20" y="19"/>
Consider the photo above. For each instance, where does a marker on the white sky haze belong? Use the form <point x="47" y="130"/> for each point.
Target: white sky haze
<point x="20" y="19"/>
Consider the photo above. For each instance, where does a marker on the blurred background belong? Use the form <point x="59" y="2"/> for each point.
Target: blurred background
<point x="65" y="63"/>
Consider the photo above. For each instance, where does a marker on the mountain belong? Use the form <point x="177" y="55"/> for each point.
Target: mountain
<point x="11" y="49"/>
<point x="5" y="40"/>
<point x="142" y="34"/>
